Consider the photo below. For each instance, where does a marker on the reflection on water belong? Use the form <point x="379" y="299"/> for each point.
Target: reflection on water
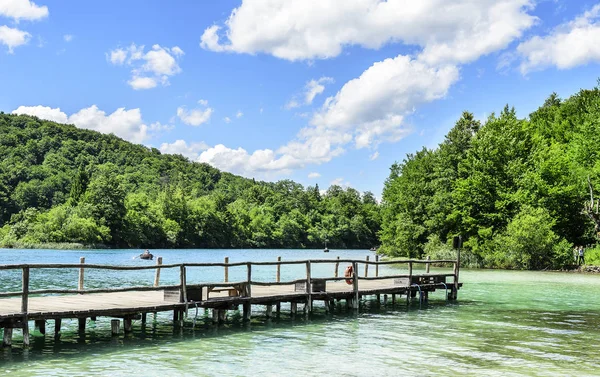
<point x="505" y="323"/>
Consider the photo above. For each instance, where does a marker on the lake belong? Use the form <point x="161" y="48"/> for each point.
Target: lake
<point x="505" y="323"/>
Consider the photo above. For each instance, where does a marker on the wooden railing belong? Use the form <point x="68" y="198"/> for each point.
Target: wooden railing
<point x="308" y="280"/>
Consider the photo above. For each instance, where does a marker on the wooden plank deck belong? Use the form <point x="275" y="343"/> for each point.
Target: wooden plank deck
<point x="122" y="302"/>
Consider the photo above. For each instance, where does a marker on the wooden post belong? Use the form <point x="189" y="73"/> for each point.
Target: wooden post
<point x="144" y="319"/>
<point x="249" y="287"/>
<point x="355" y="284"/>
<point x="337" y="267"/>
<point x="377" y="265"/>
<point x="456" y="272"/>
<point x="222" y="315"/>
<point x="215" y="316"/>
<point x="25" y="305"/>
<point x="293" y="308"/>
<point x="81" y="324"/>
<point x="247" y="311"/>
<point x="409" y="273"/>
<point x="40" y="325"/>
<point x="7" y="339"/>
<point x="157" y="275"/>
<point x="367" y="267"/>
<point x="81" y="272"/>
<point x="393" y="299"/>
<point x="279" y="269"/>
<point x="57" y="324"/>
<point x="308" y="288"/>
<point x="427" y="265"/>
<point x="226" y="269"/>
<point x="127" y="325"/>
<point x="182" y="280"/>
<point x="269" y="312"/>
<point x="278" y="308"/>
<point x="115" y="325"/>
<point x="385" y="298"/>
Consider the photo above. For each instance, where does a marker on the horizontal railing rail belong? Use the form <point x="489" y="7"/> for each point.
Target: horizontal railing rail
<point x="304" y="285"/>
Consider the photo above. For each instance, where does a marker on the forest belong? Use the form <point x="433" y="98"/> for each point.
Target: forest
<point x="61" y="185"/>
<point x="515" y="189"/>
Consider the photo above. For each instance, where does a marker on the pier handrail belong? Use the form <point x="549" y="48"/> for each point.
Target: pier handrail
<point x="308" y="280"/>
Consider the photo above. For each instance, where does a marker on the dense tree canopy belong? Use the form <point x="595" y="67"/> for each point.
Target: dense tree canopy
<point x="61" y="184"/>
<point x="513" y="188"/>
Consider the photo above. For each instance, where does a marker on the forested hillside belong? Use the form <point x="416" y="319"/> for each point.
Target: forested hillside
<point x="515" y="189"/>
<point x="61" y="184"/>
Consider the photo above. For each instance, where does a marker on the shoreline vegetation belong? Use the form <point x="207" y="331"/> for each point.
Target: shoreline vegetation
<point x="516" y="190"/>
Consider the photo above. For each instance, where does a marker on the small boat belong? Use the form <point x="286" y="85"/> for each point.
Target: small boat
<point x="146" y="255"/>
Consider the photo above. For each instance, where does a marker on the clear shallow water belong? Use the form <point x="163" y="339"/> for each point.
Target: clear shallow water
<point x="505" y="323"/>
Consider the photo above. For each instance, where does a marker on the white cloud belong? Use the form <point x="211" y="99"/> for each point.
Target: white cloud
<point x="43" y="112"/>
<point x="141" y="83"/>
<point x="340" y="182"/>
<point x="203" y="102"/>
<point x="315" y="87"/>
<point x="374" y="156"/>
<point x="148" y="68"/>
<point x="118" y="56"/>
<point x="68" y="37"/>
<point x="194" y="117"/>
<point x="372" y="107"/>
<point x="191" y="151"/>
<point x="227" y="119"/>
<point x="127" y="124"/>
<point x="239" y="114"/>
<point x="450" y="31"/>
<point x="571" y="44"/>
<point x="313" y="175"/>
<point x="310" y="91"/>
<point x="13" y="37"/>
<point x="263" y="162"/>
<point x="22" y="10"/>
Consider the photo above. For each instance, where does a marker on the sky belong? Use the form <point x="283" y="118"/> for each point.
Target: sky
<point x="319" y="91"/>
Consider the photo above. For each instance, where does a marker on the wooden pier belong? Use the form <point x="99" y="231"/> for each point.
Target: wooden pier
<point x="17" y="309"/>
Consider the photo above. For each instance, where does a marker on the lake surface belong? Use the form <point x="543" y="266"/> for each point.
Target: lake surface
<point x="507" y="323"/>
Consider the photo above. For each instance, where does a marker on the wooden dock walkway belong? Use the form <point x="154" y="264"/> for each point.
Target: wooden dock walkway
<point x="17" y="309"/>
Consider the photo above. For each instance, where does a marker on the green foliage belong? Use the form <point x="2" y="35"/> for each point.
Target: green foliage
<point x="513" y="188"/>
<point x="60" y="184"/>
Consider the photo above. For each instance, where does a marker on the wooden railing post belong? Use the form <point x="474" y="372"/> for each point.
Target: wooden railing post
<point x="308" y="288"/>
<point x="367" y="267"/>
<point x="377" y="266"/>
<point x="226" y="269"/>
<point x="157" y="275"/>
<point x="410" y="268"/>
<point x="337" y="266"/>
<point x="427" y="265"/>
<point x="249" y="287"/>
<point x="183" y="281"/>
<point x="81" y="272"/>
<point x="25" y="305"/>
<point x="279" y="269"/>
<point x="355" y="303"/>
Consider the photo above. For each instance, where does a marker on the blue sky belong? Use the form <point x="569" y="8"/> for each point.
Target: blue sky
<point x="318" y="91"/>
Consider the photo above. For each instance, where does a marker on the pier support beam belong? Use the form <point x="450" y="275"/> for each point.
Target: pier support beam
<point x="40" y="325"/>
<point x="81" y="324"/>
<point x="269" y="312"/>
<point x="293" y="308"/>
<point x="115" y="325"/>
<point x="247" y="311"/>
<point x="278" y="308"/>
<point x="222" y="315"/>
<point x="25" y="333"/>
<point x="144" y="319"/>
<point x="7" y="339"/>
<point x="127" y="325"/>
<point x="57" y="325"/>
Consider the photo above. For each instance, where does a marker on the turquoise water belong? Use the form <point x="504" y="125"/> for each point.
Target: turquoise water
<point x="505" y="323"/>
